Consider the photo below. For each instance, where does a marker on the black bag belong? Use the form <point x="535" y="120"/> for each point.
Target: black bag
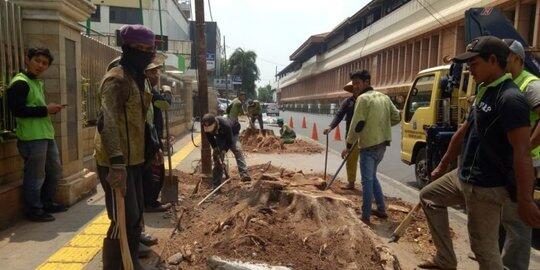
<point x="151" y="143"/>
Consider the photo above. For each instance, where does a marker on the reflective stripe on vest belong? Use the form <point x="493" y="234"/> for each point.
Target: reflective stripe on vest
<point x="523" y="81"/>
<point x="33" y="128"/>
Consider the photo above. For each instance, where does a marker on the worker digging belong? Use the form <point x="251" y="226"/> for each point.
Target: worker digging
<point x="404" y="135"/>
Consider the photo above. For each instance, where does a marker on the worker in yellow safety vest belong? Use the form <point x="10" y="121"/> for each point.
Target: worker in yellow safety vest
<point x="516" y="247"/>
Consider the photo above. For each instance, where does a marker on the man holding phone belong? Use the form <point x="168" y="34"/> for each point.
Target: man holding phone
<point x="35" y="134"/>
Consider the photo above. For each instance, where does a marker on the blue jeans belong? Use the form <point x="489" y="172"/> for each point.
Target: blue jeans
<point x="369" y="161"/>
<point x="42" y="170"/>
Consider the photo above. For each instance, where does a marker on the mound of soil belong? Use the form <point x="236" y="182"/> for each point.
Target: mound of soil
<point x="254" y="141"/>
<point x="280" y="218"/>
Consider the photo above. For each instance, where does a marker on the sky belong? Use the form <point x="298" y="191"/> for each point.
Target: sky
<point x="274" y="29"/>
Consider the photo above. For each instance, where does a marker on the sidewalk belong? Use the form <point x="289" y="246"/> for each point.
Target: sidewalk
<point x="27" y="245"/>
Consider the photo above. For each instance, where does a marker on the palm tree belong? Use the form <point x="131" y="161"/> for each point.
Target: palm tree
<point x="243" y="63"/>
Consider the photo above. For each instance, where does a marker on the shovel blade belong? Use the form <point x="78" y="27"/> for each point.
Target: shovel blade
<point x="169" y="192"/>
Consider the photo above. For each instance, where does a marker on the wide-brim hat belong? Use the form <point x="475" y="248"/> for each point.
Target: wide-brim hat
<point x="348" y="87"/>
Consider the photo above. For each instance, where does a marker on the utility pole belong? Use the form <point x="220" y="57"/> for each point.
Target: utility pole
<point x="203" y="82"/>
<point x="141" y="12"/>
<point x="226" y="68"/>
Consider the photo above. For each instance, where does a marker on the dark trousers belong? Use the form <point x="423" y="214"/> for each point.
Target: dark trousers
<point x="42" y="170"/>
<point x="134" y="204"/>
<point x="153" y="177"/>
<point x="258" y="118"/>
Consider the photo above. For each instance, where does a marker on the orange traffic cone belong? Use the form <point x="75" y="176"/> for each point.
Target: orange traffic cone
<point x="304" y="125"/>
<point x="314" y="133"/>
<point x="291" y="124"/>
<point x="337" y="134"/>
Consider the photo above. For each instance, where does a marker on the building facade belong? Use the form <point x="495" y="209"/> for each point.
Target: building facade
<point x="167" y="18"/>
<point x="394" y="40"/>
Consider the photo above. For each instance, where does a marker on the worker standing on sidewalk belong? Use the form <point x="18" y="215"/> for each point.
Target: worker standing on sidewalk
<point x="516" y="249"/>
<point x="495" y="158"/>
<point x="254" y="112"/>
<point x="374" y="115"/>
<point x="220" y="133"/>
<point x="347" y="110"/>
<point x="234" y="110"/>
<point x="35" y="137"/>
<point x="287" y="133"/>
<point x="119" y="142"/>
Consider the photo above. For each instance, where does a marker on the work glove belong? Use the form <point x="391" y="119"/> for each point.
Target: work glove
<point x="117" y="177"/>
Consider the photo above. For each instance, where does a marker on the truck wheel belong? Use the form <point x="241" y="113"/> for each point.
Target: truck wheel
<point x="420" y="168"/>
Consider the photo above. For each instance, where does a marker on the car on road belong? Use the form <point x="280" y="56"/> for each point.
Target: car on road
<point x="272" y="109"/>
<point x="222" y="105"/>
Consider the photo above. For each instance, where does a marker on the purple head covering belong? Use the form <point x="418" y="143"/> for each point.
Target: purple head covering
<point x="136" y="33"/>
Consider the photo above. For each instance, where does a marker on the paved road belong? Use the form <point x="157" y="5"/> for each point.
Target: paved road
<point x="391" y="165"/>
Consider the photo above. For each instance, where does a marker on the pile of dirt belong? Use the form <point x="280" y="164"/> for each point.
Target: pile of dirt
<point x="280" y="218"/>
<point x="254" y="141"/>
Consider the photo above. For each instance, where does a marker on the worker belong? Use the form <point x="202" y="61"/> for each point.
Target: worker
<point x="154" y="169"/>
<point x="374" y="115"/>
<point x="120" y="142"/>
<point x="287" y="133"/>
<point x="516" y="250"/>
<point x="219" y="132"/>
<point x="347" y="110"/>
<point x="234" y="110"/>
<point x="254" y="112"/>
<point x="35" y="137"/>
<point x="495" y="164"/>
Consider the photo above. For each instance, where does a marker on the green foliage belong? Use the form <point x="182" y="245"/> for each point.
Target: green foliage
<point x="244" y="64"/>
<point x="266" y="94"/>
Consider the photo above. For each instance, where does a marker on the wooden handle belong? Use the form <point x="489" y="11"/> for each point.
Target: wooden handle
<point x="121" y="223"/>
<point x="406" y="221"/>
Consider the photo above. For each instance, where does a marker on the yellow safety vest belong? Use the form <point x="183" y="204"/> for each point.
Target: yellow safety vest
<point x="522" y="81"/>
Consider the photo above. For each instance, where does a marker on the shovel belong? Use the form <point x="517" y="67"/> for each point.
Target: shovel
<point x="169" y="192"/>
<point x="327" y="186"/>
<point x="326" y="158"/>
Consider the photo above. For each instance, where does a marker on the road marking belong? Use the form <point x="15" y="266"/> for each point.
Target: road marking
<point x="84" y="246"/>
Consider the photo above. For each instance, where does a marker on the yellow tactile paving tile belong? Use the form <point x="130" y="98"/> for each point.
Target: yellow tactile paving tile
<point x="99" y="229"/>
<point x="74" y="254"/>
<point x="62" y="266"/>
<point x="82" y="248"/>
<point x="87" y="240"/>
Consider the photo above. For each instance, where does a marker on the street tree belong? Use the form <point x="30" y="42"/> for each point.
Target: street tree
<point x="266" y="94"/>
<point x="243" y="63"/>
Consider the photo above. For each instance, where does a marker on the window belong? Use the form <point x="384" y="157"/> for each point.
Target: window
<point x="124" y="15"/>
<point x="96" y="16"/>
<point x="420" y="95"/>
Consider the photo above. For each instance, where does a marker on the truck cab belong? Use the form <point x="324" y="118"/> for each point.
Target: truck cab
<point x="430" y="106"/>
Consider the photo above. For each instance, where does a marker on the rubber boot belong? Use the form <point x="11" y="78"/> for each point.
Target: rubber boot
<point x="112" y="256"/>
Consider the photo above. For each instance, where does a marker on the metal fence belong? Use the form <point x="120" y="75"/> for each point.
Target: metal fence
<point x="95" y="57"/>
<point x="11" y="55"/>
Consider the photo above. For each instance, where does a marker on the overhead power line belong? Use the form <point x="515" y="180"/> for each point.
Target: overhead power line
<point x="210" y="11"/>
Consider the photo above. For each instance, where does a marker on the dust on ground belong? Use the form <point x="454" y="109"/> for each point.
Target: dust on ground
<point x="255" y="141"/>
<point x="283" y="218"/>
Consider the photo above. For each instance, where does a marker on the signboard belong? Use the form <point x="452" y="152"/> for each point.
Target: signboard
<point x="210" y="61"/>
<point x="236" y="80"/>
<point x="223" y="84"/>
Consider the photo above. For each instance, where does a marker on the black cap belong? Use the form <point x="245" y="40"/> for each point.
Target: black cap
<point x="361" y="74"/>
<point x="208" y="119"/>
<point x="484" y="45"/>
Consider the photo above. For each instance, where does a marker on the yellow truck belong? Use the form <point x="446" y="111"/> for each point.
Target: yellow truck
<point x="430" y="106"/>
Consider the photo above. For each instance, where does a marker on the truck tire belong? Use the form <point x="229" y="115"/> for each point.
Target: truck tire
<point x="420" y="168"/>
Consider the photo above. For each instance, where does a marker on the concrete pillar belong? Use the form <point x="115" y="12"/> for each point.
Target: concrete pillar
<point x="536" y="31"/>
<point x="53" y="24"/>
<point x="523" y="19"/>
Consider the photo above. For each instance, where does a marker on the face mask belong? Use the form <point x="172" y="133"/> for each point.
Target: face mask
<point x="136" y="58"/>
<point x="210" y="128"/>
